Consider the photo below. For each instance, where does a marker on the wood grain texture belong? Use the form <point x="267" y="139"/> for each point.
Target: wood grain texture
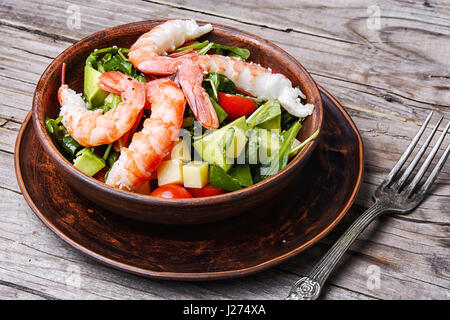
<point x="388" y="80"/>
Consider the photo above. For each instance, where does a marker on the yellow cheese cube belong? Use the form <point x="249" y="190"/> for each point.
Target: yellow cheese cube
<point x="170" y="172"/>
<point x="237" y="144"/>
<point x="181" y="150"/>
<point x="195" y="174"/>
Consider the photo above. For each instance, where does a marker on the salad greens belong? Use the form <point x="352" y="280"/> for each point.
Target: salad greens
<point x="205" y="46"/>
<point x="279" y="159"/>
<point x="243" y="151"/>
<point x="68" y="144"/>
<point x="113" y="59"/>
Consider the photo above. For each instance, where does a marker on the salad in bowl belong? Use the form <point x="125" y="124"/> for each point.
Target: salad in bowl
<point x="174" y="117"/>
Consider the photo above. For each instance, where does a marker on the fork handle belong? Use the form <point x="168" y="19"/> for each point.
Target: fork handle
<point x="308" y="288"/>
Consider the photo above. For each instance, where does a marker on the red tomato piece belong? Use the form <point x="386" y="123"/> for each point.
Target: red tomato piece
<point x="236" y="106"/>
<point x="171" y="191"/>
<point x="206" y="191"/>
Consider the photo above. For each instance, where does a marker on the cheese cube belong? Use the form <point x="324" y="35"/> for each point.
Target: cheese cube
<point x="170" y="172"/>
<point x="195" y="174"/>
<point x="181" y="150"/>
<point x="237" y="144"/>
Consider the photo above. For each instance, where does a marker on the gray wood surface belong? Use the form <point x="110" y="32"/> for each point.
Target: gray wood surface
<point x="388" y="75"/>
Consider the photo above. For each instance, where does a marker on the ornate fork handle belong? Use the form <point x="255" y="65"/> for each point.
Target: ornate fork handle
<point x="308" y="288"/>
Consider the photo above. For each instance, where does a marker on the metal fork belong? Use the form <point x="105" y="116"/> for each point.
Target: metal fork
<point x="392" y="195"/>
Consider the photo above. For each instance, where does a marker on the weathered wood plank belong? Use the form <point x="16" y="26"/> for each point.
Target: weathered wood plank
<point x="383" y="77"/>
<point x="58" y="271"/>
<point x="386" y="64"/>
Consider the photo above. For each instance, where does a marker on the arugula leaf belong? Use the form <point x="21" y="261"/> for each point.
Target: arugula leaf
<point x="236" y="52"/>
<point x="195" y="45"/>
<point x="215" y="83"/>
<point x="68" y="145"/>
<point x="221" y="114"/>
<point x="203" y="48"/>
<point x="113" y="59"/>
<point x="297" y="148"/>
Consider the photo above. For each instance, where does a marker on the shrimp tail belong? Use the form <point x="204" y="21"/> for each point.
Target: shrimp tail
<point x="190" y="77"/>
<point x="164" y="66"/>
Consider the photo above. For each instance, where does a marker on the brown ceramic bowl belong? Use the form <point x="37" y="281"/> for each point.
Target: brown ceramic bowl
<point x="172" y="211"/>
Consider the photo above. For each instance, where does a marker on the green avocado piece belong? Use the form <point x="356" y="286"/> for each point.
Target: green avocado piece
<point x="242" y="174"/>
<point x="218" y="178"/>
<point x="252" y="148"/>
<point x="94" y="94"/>
<point x="212" y="147"/>
<point x="268" y="144"/>
<point x="88" y="162"/>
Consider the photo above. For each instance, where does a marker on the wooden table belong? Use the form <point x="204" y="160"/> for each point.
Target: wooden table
<point x="387" y="62"/>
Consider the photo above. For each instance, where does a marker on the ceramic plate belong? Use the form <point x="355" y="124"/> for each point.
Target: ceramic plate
<point x="284" y="226"/>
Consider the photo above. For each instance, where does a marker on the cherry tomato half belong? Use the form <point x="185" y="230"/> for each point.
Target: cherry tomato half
<point x="236" y="106"/>
<point x="206" y="191"/>
<point x="171" y="191"/>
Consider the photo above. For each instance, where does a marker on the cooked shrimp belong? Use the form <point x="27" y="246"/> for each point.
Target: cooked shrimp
<point x="149" y="146"/>
<point x="92" y="128"/>
<point x="253" y="78"/>
<point x="148" y="53"/>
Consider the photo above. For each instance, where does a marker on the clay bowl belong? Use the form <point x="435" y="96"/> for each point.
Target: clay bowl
<point x="173" y="211"/>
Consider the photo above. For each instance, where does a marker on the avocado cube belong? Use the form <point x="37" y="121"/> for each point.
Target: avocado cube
<point x="237" y="144"/>
<point x="88" y="162"/>
<point x="94" y="94"/>
<point x="268" y="144"/>
<point x="213" y="147"/>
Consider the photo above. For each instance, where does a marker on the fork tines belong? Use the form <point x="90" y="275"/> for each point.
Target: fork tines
<point x="397" y="185"/>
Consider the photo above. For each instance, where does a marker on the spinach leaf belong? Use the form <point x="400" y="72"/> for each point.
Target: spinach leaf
<point x="219" y="178"/>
